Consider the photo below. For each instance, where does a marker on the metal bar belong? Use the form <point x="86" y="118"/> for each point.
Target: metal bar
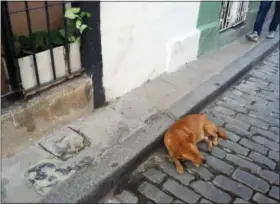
<point x="9" y="49"/>
<point x="11" y="92"/>
<point x="34" y="8"/>
<point x="32" y="43"/>
<point x="223" y="15"/>
<point x="50" y="39"/>
<point x="227" y="14"/>
<point x="49" y="84"/>
<point x="66" y="45"/>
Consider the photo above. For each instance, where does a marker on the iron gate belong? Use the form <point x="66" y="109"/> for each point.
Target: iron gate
<point x="9" y="56"/>
<point x="232" y="13"/>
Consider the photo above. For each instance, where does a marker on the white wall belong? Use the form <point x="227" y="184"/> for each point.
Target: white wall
<point x="141" y="40"/>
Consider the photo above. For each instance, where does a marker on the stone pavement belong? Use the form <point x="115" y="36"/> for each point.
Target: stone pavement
<point x="243" y="169"/>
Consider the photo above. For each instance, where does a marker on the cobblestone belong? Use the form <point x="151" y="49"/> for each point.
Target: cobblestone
<point x="259" y="198"/>
<point x="233" y="137"/>
<point x="275" y="129"/>
<point x="246" y="88"/>
<point x="219" y="164"/>
<point x="259" y="85"/>
<point x="178" y="201"/>
<point x="251" y="180"/>
<point x="211" y="192"/>
<point x="274" y="192"/>
<point x="252" y="121"/>
<point x="215" y="120"/>
<point x="234" y="147"/>
<point x="265" y="118"/>
<point x="238" y="130"/>
<point x="262" y="159"/>
<point x="169" y="168"/>
<point x="271" y="98"/>
<point x="127" y="197"/>
<point x="259" y="75"/>
<point x="233" y="98"/>
<point x="223" y="110"/>
<point x="233" y="186"/>
<point x="154" y="175"/>
<point x="181" y="192"/>
<point x="201" y="171"/>
<point x="232" y="106"/>
<point x="111" y="200"/>
<point x="217" y="152"/>
<point x="272" y="177"/>
<point x="231" y="101"/>
<point x="253" y="146"/>
<point x="274" y="155"/>
<point x="153" y="193"/>
<point x="268" y="143"/>
<point x="233" y="121"/>
<point x="253" y="79"/>
<point x="265" y="133"/>
<point x="253" y="98"/>
<point x="243" y="163"/>
<point x="204" y="201"/>
<point x="240" y="201"/>
<point x="236" y="92"/>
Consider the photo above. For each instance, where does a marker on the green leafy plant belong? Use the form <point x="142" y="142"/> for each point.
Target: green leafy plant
<point x="75" y="26"/>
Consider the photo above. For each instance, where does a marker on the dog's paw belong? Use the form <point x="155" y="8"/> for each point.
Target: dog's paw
<point x="179" y="170"/>
<point x="170" y="159"/>
<point x="215" y="142"/>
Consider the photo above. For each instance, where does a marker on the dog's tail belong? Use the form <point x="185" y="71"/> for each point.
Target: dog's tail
<point x="222" y="134"/>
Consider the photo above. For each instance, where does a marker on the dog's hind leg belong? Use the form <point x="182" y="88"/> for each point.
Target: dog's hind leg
<point x="172" y="157"/>
<point x="192" y="153"/>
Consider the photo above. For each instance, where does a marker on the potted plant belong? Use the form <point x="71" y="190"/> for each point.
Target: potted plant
<point x="75" y="27"/>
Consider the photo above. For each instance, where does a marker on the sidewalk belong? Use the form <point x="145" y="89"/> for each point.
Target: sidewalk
<point x="95" y="146"/>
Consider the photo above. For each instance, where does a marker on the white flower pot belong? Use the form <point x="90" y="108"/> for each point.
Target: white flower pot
<point x="44" y="64"/>
<point x="75" y="57"/>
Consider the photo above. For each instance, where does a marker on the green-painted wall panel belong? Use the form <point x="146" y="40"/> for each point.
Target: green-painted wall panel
<point x="208" y="24"/>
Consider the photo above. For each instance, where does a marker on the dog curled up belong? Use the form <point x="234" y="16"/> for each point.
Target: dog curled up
<point x="182" y="137"/>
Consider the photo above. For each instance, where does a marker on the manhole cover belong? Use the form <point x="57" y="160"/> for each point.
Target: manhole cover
<point x="64" y="144"/>
<point x="46" y="174"/>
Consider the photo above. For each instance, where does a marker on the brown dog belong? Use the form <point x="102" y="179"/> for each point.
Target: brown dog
<point x="181" y="139"/>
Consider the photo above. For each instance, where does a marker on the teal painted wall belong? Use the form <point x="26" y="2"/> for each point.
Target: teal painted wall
<point x="208" y="24"/>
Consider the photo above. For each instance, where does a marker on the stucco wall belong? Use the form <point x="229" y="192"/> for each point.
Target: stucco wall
<point x="141" y="40"/>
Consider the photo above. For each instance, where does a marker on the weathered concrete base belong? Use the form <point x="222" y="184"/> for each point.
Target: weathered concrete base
<point x="25" y="122"/>
<point x="93" y="182"/>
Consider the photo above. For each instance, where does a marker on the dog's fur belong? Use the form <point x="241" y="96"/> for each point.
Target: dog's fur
<point x="182" y="137"/>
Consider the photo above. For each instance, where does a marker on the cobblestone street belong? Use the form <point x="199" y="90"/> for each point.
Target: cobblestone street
<point x="243" y="169"/>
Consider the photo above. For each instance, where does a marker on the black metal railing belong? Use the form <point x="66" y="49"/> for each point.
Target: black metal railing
<point x="226" y="14"/>
<point x="11" y="57"/>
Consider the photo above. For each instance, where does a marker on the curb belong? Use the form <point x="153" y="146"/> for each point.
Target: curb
<point x="91" y="184"/>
